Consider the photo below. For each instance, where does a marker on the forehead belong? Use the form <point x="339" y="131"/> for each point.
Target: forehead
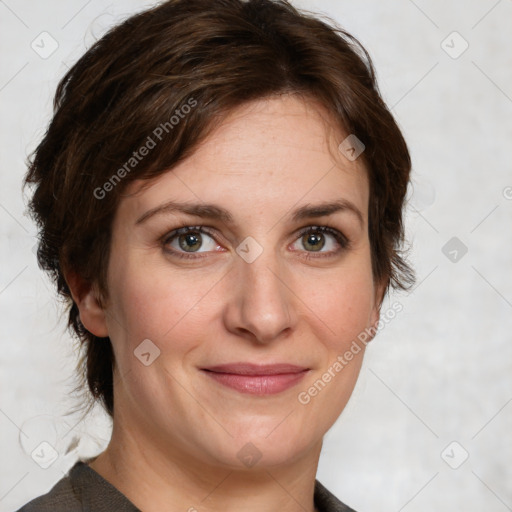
<point x="280" y="151"/>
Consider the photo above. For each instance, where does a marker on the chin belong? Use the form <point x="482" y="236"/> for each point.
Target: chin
<point x="268" y="447"/>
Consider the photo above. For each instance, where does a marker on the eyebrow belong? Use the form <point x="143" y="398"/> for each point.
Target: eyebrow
<point x="214" y="212"/>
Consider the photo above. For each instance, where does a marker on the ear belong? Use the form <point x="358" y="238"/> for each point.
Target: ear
<point x="380" y="290"/>
<point x="87" y="299"/>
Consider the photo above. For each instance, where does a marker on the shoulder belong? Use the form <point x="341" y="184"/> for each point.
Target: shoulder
<point x="325" y="501"/>
<point x="60" y="498"/>
<point x="82" y="489"/>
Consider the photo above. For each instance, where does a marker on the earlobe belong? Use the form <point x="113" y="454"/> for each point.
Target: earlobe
<point x="374" y="321"/>
<point x="380" y="290"/>
<point x="87" y="299"/>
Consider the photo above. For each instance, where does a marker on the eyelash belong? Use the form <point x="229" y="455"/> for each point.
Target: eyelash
<point x="340" y="238"/>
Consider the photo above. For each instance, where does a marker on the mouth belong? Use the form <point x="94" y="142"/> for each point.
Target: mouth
<point x="267" y="379"/>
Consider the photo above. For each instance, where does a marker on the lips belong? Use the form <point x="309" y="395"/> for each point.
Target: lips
<point x="255" y="369"/>
<point x="265" y="379"/>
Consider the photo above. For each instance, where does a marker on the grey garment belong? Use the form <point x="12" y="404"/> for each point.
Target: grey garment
<point x="85" y="490"/>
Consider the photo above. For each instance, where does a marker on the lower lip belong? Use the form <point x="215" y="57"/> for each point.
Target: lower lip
<point x="258" y="384"/>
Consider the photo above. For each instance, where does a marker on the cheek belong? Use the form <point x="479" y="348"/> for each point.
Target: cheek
<point x="344" y="302"/>
<point x="152" y="302"/>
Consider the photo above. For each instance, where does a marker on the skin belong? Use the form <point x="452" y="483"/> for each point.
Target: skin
<point x="176" y="432"/>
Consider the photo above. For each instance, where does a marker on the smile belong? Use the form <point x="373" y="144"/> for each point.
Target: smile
<point x="257" y="379"/>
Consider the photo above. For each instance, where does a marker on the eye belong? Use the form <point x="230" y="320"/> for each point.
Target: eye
<point x="316" y="238"/>
<point x="189" y="239"/>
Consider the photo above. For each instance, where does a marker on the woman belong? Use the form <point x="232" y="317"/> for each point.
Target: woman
<point x="219" y="197"/>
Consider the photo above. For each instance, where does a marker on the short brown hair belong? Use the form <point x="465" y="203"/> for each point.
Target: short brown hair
<point x="172" y="71"/>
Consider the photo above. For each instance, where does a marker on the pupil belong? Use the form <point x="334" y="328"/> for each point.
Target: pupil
<point x="191" y="242"/>
<point x="313" y="239"/>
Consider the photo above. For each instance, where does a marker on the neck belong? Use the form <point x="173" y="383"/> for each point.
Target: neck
<point x="153" y="478"/>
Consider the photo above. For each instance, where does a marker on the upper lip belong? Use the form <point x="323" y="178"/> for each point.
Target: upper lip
<point x="256" y="369"/>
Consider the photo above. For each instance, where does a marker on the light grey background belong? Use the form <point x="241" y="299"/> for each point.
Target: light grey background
<point x="439" y="372"/>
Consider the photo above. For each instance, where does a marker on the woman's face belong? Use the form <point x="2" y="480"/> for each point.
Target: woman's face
<point x="254" y="282"/>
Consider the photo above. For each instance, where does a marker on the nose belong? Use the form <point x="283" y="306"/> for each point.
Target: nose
<point x="261" y="307"/>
